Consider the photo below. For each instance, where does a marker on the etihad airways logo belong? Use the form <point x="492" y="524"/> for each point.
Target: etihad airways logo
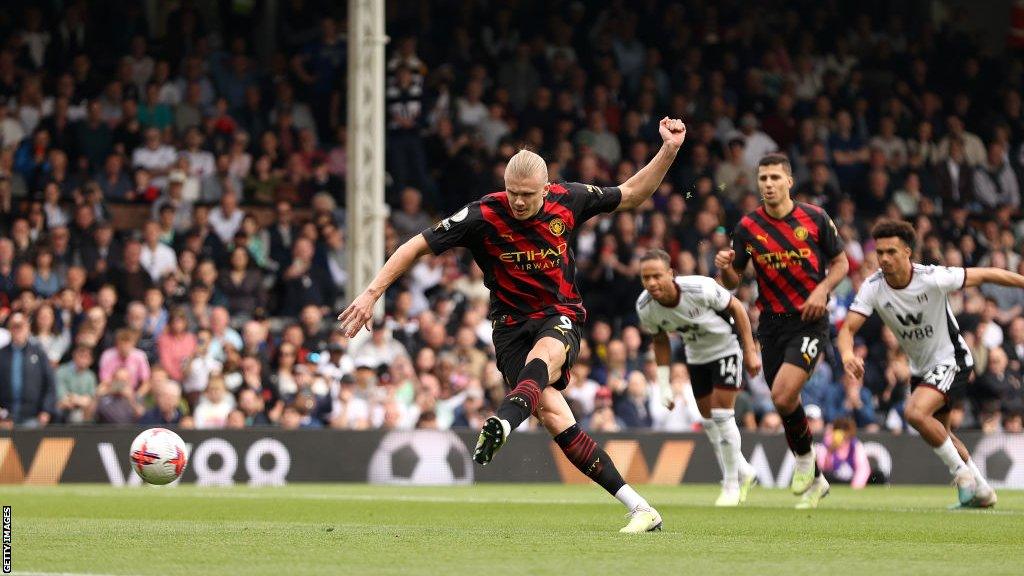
<point x="529" y="260"/>
<point x="783" y="258"/>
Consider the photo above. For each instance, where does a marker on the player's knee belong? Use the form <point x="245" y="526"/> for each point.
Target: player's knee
<point x="915" y="415"/>
<point x="784" y="400"/>
<point x="553" y="422"/>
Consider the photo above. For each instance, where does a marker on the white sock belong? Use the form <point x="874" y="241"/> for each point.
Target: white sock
<point x="947" y="452"/>
<point x="805" y="462"/>
<point x="715" y="437"/>
<point x="730" y="445"/>
<point x="630" y="499"/>
<point x="982" y="483"/>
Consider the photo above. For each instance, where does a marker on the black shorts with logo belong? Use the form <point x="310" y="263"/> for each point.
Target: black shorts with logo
<point x="723" y="373"/>
<point x="950" y="381"/>
<point x="786" y="338"/>
<point x="513" y="342"/>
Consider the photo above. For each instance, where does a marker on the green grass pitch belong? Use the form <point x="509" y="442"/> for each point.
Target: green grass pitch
<point x="502" y="529"/>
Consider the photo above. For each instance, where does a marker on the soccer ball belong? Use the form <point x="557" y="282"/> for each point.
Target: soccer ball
<point x="158" y="456"/>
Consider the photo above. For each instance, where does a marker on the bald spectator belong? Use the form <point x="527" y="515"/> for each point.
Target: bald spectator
<point x="167" y="408"/>
<point x="27" y="381"/>
<point x="410" y="219"/>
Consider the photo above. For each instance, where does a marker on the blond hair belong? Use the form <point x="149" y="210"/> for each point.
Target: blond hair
<point x="526" y="164"/>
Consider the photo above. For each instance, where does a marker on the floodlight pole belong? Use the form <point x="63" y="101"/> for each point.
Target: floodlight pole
<point x="365" y="211"/>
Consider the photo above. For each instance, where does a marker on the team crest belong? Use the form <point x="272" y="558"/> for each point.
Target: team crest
<point x="800" y="232"/>
<point x="557" y="226"/>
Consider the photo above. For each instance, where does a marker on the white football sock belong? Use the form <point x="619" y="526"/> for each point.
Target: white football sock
<point x="947" y="452"/>
<point x="730" y="445"/>
<point x="715" y="437"/>
<point x="982" y="483"/>
<point x="630" y="499"/>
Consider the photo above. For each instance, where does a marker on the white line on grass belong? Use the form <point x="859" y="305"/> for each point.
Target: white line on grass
<point x="271" y="493"/>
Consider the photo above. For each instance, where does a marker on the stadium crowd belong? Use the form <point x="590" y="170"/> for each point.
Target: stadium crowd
<point x="208" y="316"/>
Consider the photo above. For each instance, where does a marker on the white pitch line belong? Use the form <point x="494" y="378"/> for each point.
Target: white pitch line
<point x="21" y="573"/>
<point x="271" y="493"/>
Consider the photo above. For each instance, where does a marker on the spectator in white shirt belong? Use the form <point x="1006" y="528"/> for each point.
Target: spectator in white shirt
<point x="155" y="156"/>
<point x="156" y="257"/>
<point x="758" y="144"/>
<point x="201" y="162"/>
<point x="226" y="218"/>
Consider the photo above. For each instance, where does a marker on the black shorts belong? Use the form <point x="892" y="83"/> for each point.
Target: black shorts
<point x="948" y="380"/>
<point x="723" y="373"/>
<point x="512" y="343"/>
<point x="785" y="338"/>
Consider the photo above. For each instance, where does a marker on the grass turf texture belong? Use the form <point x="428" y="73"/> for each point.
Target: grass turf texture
<point x="503" y="529"/>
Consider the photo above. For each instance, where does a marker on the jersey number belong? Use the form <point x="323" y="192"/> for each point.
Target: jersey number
<point x="727" y="366"/>
<point x="937" y="376"/>
<point x="809" y="347"/>
<point x="564" y="326"/>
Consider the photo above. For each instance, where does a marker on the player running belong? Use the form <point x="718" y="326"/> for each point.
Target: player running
<point x="799" y="259"/>
<point x="911" y="299"/>
<point x="707" y="317"/>
<point x="520" y="238"/>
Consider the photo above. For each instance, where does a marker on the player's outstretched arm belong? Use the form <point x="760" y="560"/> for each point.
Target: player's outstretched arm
<point x="663" y="357"/>
<point x="844" y="341"/>
<point x="979" y="276"/>
<point x="751" y="358"/>
<point x="360" y="311"/>
<point x="642" y="185"/>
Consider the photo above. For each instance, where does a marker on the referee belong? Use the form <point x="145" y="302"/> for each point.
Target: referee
<point x="799" y="259"/>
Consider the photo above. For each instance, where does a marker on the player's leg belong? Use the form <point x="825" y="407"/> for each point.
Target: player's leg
<point x="590" y="459"/>
<point x="801" y="350"/>
<point x="738" y="474"/>
<point x="984" y="494"/>
<point x="552" y="340"/>
<point x="512" y="345"/>
<point x="925" y="401"/>
<point x="700" y="382"/>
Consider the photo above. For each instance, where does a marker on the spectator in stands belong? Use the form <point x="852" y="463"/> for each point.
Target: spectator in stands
<point x="76" y="386"/>
<point x="116" y="401"/>
<point x="167" y="408"/>
<point x="125" y="356"/>
<point x="27" y="381"/>
<point x="844" y="459"/>
<point x="214" y="405"/>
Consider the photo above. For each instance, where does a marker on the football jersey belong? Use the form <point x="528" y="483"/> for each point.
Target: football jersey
<point x="919" y="315"/>
<point x="528" y="265"/>
<point x="790" y="254"/>
<point x="700" y="316"/>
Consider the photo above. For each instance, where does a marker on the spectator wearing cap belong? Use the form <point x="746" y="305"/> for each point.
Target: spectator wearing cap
<point x="27" y="381"/>
<point x="603" y="418"/>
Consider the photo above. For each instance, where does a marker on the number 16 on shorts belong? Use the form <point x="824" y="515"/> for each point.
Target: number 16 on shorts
<point x="809" y="350"/>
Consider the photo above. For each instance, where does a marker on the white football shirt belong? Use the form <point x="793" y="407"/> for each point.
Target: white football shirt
<point x="919" y="315"/>
<point x="700" y="317"/>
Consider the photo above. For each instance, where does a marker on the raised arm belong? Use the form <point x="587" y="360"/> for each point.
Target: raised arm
<point x="979" y="276"/>
<point x="360" y="311"/>
<point x="642" y="185"/>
